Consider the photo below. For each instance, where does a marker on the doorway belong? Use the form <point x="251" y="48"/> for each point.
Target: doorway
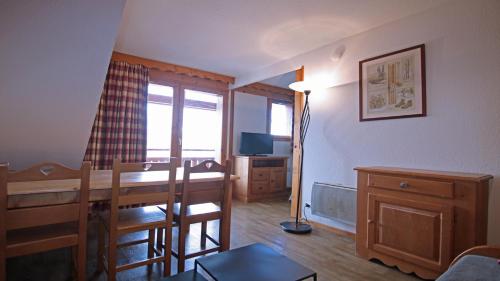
<point x="269" y="107"/>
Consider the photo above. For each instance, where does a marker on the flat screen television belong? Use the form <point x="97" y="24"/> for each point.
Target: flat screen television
<point x="256" y="144"/>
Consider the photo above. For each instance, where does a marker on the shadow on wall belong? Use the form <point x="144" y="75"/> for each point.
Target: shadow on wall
<point x="337" y="128"/>
<point x="281" y="41"/>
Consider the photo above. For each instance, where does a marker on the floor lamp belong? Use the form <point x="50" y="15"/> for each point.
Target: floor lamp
<point x="297" y="227"/>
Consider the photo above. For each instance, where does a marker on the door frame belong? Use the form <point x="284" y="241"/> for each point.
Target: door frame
<point x="297" y="112"/>
<point x="298" y="104"/>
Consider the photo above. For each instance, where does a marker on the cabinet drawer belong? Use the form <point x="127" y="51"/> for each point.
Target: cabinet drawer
<point x="407" y="184"/>
<point x="277" y="180"/>
<point x="260" y="174"/>
<point x="259" y="187"/>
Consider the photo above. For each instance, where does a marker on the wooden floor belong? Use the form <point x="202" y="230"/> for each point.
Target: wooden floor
<point x="330" y="255"/>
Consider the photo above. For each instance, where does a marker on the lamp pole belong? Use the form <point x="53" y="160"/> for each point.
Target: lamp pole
<point x="300" y="227"/>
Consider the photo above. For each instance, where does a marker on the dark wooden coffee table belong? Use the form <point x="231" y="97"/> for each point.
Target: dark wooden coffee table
<point x="251" y="263"/>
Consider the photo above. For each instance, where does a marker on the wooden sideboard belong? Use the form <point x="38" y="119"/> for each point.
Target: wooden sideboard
<point x="419" y="220"/>
<point x="260" y="177"/>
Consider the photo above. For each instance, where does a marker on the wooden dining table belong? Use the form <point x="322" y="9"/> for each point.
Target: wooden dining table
<point x="43" y="193"/>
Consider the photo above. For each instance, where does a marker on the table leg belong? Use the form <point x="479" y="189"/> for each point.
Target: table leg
<point x="226" y="222"/>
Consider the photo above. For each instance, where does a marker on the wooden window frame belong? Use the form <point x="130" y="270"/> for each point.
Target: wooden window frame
<point x="152" y="98"/>
<point x="181" y="78"/>
<point x="180" y="83"/>
<point x="270" y="102"/>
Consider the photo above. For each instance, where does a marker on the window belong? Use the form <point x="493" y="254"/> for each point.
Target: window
<point x="201" y="126"/>
<point x="184" y="123"/>
<point x="159" y="122"/>
<point x="280" y="119"/>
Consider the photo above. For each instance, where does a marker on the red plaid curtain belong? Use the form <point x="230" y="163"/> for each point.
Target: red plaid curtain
<point x="120" y="125"/>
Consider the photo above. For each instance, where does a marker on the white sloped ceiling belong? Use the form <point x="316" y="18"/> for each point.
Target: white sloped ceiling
<point x="53" y="61"/>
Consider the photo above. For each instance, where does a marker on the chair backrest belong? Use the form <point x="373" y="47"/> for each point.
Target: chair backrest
<point x="145" y="197"/>
<point x="12" y="219"/>
<point x="52" y="214"/>
<point x="197" y="193"/>
<point x="145" y="166"/>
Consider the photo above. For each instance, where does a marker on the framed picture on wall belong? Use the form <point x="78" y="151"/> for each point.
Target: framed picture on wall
<point x="393" y="85"/>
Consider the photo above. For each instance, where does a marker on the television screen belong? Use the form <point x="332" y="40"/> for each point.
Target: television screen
<point x="255" y="143"/>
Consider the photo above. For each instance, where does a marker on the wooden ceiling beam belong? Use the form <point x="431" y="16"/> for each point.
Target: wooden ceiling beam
<point x="169" y="67"/>
<point x="267" y="90"/>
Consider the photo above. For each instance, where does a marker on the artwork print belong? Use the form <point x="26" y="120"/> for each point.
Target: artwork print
<point x="393" y="85"/>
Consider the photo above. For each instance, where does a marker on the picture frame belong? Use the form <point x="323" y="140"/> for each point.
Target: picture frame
<point x="393" y="85"/>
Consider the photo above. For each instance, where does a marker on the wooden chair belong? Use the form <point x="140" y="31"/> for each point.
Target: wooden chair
<point x="117" y="221"/>
<point x="150" y="167"/>
<point x="197" y="206"/>
<point x="32" y="230"/>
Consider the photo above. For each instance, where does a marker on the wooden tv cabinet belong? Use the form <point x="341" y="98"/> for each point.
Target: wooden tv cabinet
<point x="419" y="220"/>
<point x="260" y="177"/>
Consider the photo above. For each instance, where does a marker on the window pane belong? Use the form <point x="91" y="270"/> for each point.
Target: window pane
<point x="201" y="96"/>
<point x="161" y="90"/>
<point x="201" y="126"/>
<point x="281" y="119"/>
<point x="159" y="125"/>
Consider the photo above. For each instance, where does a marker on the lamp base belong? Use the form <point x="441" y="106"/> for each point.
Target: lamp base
<point x="296" y="228"/>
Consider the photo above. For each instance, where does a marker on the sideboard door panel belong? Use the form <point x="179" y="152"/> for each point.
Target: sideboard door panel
<point x="416" y="232"/>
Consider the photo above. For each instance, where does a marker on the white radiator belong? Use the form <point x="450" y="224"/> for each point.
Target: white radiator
<point x="334" y="202"/>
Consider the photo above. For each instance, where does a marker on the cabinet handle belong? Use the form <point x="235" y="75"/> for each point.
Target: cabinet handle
<point x="404" y="185"/>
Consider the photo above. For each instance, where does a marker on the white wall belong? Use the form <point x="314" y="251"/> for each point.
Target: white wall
<point x="250" y="115"/>
<point x="54" y="57"/>
<point x="462" y="129"/>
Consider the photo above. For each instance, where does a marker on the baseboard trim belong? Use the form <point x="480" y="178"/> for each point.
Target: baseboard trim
<point x="335" y="230"/>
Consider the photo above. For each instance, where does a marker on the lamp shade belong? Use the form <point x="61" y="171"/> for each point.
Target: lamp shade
<point x="302" y="86"/>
